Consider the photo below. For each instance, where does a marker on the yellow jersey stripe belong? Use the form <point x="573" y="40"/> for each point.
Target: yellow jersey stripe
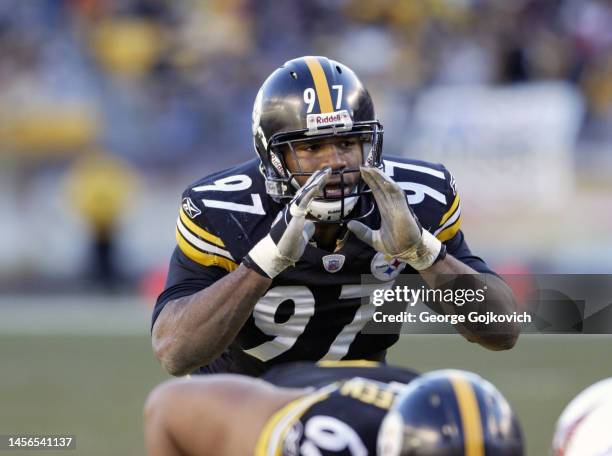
<point x="448" y="213"/>
<point x="199" y="244"/>
<point x="270" y="442"/>
<point x="449" y="232"/>
<point x="321" y="85"/>
<point x="264" y="438"/>
<point x="470" y="416"/>
<point x="203" y="258"/>
<point x="195" y="229"/>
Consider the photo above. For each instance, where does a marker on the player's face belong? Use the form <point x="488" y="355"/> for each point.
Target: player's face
<point x="338" y="153"/>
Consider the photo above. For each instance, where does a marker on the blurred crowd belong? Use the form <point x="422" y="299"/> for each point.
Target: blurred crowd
<point x="167" y="84"/>
<point x="163" y="88"/>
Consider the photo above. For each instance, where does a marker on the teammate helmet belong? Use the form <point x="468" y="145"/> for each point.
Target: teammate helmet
<point x="313" y="98"/>
<point x="450" y="413"/>
<point x="583" y="429"/>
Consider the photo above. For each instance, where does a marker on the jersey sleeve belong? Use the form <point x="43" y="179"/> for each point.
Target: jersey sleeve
<point x="457" y="247"/>
<point x="450" y="222"/>
<point x="197" y="239"/>
<point x="449" y="229"/>
<point x="185" y="277"/>
<point x="199" y="259"/>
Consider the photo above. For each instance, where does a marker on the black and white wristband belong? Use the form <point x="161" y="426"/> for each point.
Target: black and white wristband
<point x="248" y="262"/>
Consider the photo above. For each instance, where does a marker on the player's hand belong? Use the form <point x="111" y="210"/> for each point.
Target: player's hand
<point x="290" y="232"/>
<point x="400" y="234"/>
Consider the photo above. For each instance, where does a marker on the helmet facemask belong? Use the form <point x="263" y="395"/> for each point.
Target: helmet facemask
<point x="281" y="182"/>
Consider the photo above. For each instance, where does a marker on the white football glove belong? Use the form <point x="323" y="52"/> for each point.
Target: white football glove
<point x="290" y="232"/>
<point x="400" y="235"/>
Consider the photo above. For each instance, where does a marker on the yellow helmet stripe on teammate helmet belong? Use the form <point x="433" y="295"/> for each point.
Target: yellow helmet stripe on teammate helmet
<point x="470" y="416"/>
<point x="321" y="85"/>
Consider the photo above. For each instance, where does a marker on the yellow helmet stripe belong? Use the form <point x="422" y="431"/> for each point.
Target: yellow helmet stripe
<point x="470" y="416"/>
<point x="321" y="85"/>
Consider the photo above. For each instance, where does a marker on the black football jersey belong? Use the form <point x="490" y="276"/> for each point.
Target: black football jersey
<point x="306" y="374"/>
<point x="312" y="311"/>
<point x="341" y="417"/>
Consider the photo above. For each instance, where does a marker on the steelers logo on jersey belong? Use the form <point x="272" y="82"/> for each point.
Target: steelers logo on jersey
<point x="385" y="267"/>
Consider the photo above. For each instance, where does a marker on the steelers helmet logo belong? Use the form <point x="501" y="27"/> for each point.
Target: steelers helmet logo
<point x="385" y="267"/>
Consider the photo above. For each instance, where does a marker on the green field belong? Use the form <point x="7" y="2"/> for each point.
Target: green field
<point x="94" y="386"/>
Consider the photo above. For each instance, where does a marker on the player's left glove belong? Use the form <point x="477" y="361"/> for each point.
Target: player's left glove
<point x="400" y="235"/>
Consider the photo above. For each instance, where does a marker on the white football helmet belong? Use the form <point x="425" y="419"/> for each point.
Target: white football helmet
<point x="584" y="426"/>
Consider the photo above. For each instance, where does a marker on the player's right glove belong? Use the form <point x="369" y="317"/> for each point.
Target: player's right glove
<point x="290" y="232"/>
<point x="400" y="235"/>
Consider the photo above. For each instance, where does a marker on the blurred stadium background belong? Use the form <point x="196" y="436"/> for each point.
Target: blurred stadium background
<point x="109" y="108"/>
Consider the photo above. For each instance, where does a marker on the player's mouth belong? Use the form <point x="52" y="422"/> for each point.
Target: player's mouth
<point x="336" y="190"/>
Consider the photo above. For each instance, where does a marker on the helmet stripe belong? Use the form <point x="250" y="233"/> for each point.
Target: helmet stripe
<point x="321" y="85"/>
<point x="470" y="416"/>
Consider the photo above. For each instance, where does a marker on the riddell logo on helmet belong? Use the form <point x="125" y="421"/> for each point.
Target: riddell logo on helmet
<point x="320" y="123"/>
<point x="330" y="118"/>
<point x="277" y="164"/>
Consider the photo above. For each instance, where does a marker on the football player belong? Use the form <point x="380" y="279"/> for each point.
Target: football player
<point x="270" y="253"/>
<point x="355" y="411"/>
<point x="583" y="428"/>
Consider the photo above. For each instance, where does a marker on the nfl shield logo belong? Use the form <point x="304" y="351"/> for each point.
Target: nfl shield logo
<point x="333" y="263"/>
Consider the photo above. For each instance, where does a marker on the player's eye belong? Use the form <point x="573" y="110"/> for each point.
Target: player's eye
<point x="313" y="147"/>
<point x="348" y="143"/>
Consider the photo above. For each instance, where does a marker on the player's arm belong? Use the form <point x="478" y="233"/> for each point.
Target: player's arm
<point x="499" y="300"/>
<point x="210" y="416"/>
<point x="193" y="330"/>
<point x="402" y="237"/>
<point x="472" y="273"/>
